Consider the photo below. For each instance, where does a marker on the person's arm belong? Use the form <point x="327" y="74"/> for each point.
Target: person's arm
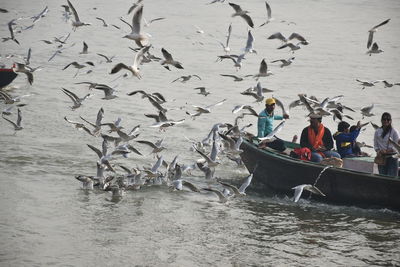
<point x="327" y="139"/>
<point x="376" y="146"/>
<point x="278" y="117"/>
<point x="348" y="137"/>
<point x="261" y="127"/>
<point x="304" y="139"/>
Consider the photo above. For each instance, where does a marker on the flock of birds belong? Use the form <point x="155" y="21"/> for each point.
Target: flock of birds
<point x="223" y="139"/>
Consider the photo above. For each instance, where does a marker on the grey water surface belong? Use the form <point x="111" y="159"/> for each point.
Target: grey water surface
<point x="46" y="219"/>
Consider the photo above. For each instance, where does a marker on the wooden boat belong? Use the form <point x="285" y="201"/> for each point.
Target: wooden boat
<point x="6" y="77"/>
<point x="277" y="173"/>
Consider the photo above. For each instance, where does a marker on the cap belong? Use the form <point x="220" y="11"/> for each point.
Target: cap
<point x="270" y="101"/>
<point x="315" y="116"/>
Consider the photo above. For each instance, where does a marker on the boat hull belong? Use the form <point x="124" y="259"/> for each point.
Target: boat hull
<point x="277" y="173"/>
<point x="6" y="77"/>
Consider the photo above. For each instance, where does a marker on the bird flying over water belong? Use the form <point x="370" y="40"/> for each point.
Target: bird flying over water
<point x="373" y="30"/>
<point x="298" y="190"/>
<point x="242" y="13"/>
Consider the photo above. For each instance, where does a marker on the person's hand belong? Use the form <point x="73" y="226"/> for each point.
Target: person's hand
<point x="321" y="148"/>
<point x="285" y="116"/>
<point x="359" y="124"/>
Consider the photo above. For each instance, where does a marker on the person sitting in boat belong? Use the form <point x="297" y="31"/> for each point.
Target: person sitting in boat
<point x="345" y="139"/>
<point x="265" y="125"/>
<point x="382" y="145"/>
<point x="318" y="139"/>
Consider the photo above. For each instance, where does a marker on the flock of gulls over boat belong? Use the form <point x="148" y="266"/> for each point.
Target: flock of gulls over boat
<point x="223" y="139"/>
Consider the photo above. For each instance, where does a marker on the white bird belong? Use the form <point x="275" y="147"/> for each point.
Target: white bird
<point x="387" y="84"/>
<point x="293" y="47"/>
<point x="269" y="14"/>
<point x="141" y="39"/>
<point x="10" y="24"/>
<point x="85" y="48"/>
<point x="207" y="109"/>
<point x="285" y="40"/>
<point x="367" y="83"/>
<point x="212" y="159"/>
<point x="225" y="46"/>
<point x="157" y="146"/>
<point x="147" y="23"/>
<point x="186" y="78"/>
<point x="77" y="23"/>
<point x="75" y="99"/>
<point x="102" y="20"/>
<point x="134" y="69"/>
<point x="87" y="181"/>
<point x="17" y="124"/>
<point x="263" y="70"/>
<point x="373" y="30"/>
<point x="298" y="190"/>
<point x="374" y="50"/>
<point x="270" y="136"/>
<point x="109" y="93"/>
<point x="40" y="15"/>
<point x="285" y="62"/>
<point x="242" y="13"/>
<point x="221" y="196"/>
<point x="249" y="43"/>
<point x="19" y="67"/>
<point x="153" y="172"/>
<point x="241" y="191"/>
<point x="168" y="60"/>
<point x="97" y="124"/>
<point x="366" y="111"/>
<point x="78" y="125"/>
<point x="203" y="91"/>
<point x="285" y="112"/>
<point x="108" y="59"/>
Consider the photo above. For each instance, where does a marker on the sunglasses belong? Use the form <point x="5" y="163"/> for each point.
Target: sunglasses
<point x="386" y="119"/>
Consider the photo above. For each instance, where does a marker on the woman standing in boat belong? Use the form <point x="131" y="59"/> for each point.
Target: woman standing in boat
<point x="318" y="139"/>
<point x="383" y="147"/>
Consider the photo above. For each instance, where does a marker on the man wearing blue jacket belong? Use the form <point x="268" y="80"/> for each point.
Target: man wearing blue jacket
<point x="345" y="139"/>
<point x="265" y="125"/>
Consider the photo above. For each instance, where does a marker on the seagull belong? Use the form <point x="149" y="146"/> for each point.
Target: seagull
<point x="374" y="50"/>
<point x="280" y="104"/>
<point x="147" y="23"/>
<point x="237" y="60"/>
<point x="285" y="40"/>
<point x="109" y="93"/>
<point x="373" y="30"/>
<point x="202" y="91"/>
<point x="222" y="198"/>
<point x="269" y="17"/>
<point x="249" y="43"/>
<point x="366" y="111"/>
<point x="293" y="47"/>
<point x="75" y="99"/>
<point x="85" y="48"/>
<point x="207" y="109"/>
<point x="17" y="124"/>
<point x="79" y="125"/>
<point x="77" y="23"/>
<point x="157" y="146"/>
<point x="11" y="100"/>
<point x="19" y="67"/>
<point x="102" y="20"/>
<point x="40" y="15"/>
<point x="367" y="83"/>
<point x="134" y="5"/>
<point x="169" y="60"/>
<point x="375" y="126"/>
<point x="258" y="94"/>
<point x="198" y="30"/>
<point x="241" y="191"/>
<point x="141" y="39"/>
<point x="134" y="69"/>
<point x="263" y="71"/>
<point x="396" y="145"/>
<point x="235" y="78"/>
<point x="225" y="46"/>
<point x="212" y="159"/>
<point x="285" y="62"/>
<point x="232" y="147"/>
<point x="186" y="78"/>
<point x="238" y="108"/>
<point x="179" y="184"/>
<point x="242" y="13"/>
<point x="153" y="172"/>
<point x="270" y="137"/>
<point x="97" y="125"/>
<point x="209" y="172"/>
<point x="387" y="84"/>
<point x="298" y="190"/>
<point x="79" y="66"/>
<point x="10" y="24"/>
<point x="108" y="59"/>
<point x="87" y="181"/>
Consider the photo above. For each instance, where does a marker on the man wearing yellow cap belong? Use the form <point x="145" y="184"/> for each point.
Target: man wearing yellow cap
<point x="265" y="124"/>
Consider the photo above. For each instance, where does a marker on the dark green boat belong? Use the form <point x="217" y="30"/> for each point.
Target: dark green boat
<point x="277" y="173"/>
<point x="6" y="77"/>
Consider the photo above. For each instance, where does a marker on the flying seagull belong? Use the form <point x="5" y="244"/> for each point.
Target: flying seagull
<point x="298" y="190"/>
<point x="242" y="13"/>
<point x="373" y="30"/>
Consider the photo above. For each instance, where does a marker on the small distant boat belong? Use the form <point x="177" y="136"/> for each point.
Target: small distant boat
<point x="277" y="173"/>
<point x="6" y="77"/>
